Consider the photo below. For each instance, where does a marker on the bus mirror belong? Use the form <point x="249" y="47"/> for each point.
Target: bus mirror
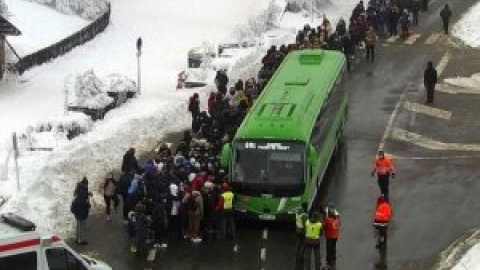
<point x="312" y="155"/>
<point x="225" y="155"/>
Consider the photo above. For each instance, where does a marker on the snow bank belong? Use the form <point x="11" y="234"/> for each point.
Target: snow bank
<point x="468" y="27"/>
<point x="472" y="82"/>
<point x="47" y="188"/>
<point x="256" y="27"/>
<point x="87" y="9"/>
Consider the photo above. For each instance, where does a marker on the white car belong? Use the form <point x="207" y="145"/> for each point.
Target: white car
<point x="23" y="248"/>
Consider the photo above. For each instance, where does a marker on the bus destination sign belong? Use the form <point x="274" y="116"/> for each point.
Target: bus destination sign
<point x="267" y="146"/>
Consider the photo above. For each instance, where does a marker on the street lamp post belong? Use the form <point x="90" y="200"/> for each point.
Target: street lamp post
<point x="139" y="53"/>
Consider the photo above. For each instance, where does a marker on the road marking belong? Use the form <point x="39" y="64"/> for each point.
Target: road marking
<point x="263" y="254"/>
<point x="457" y="90"/>
<point x="412" y="38"/>
<point x="443" y="63"/>
<point x="281" y="204"/>
<point x="432" y="38"/>
<point x="472" y="82"/>
<point x="263" y="250"/>
<point x="392" y="39"/>
<point x="381" y="145"/>
<point x="265" y="234"/>
<point x="441" y="66"/>
<point x="428" y="143"/>
<point x="454" y="43"/>
<point x="427" y="110"/>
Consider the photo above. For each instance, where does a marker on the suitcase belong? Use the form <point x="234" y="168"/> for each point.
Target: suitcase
<point x="18" y="222"/>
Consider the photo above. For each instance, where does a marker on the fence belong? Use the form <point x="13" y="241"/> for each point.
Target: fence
<point x="60" y="48"/>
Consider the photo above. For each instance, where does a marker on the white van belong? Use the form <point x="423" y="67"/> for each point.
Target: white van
<point x="23" y="248"/>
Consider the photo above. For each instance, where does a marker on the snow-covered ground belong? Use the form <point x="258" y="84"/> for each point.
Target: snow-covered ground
<point x="41" y="26"/>
<point x="468" y="27"/>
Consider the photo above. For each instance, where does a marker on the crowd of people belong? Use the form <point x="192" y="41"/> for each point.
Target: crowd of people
<point x="184" y="193"/>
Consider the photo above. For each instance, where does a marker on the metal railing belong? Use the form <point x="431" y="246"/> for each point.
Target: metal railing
<point x="67" y="44"/>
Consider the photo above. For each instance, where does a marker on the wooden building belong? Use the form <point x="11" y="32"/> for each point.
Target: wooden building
<point x="6" y="29"/>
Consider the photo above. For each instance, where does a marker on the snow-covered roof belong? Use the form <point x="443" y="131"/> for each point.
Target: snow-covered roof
<point x="7" y="28"/>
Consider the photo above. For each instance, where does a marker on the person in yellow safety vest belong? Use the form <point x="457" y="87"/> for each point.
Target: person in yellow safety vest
<point x="227" y="221"/>
<point x="313" y="230"/>
<point x="300" y="219"/>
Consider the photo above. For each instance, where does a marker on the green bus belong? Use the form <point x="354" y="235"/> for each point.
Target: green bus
<point x="282" y="149"/>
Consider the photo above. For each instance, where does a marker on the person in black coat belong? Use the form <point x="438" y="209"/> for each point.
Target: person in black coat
<point x="221" y="80"/>
<point x="194" y="106"/>
<point x="445" y="14"/>
<point x="80" y="208"/>
<point x="81" y="190"/>
<point x="430" y="80"/>
<point x="159" y="224"/>
<point x="415" y="11"/>
<point x="130" y="162"/>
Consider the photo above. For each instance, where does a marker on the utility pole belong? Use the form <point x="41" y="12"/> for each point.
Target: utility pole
<point x="139" y="53"/>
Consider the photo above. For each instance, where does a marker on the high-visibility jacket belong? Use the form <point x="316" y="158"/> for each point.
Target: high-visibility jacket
<point x="383" y="213"/>
<point x="300" y="219"/>
<point x="384" y="166"/>
<point x="313" y="230"/>
<point x="227" y="200"/>
<point x="332" y="227"/>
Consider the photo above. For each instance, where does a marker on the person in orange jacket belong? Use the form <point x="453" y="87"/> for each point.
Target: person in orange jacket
<point x="381" y="219"/>
<point x="383" y="168"/>
<point x="332" y="230"/>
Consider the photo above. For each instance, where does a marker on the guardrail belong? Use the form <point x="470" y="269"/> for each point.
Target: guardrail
<point x="67" y="44"/>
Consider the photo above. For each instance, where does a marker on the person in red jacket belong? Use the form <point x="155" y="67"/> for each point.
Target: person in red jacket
<point x="332" y="230"/>
<point x="383" y="168"/>
<point x="383" y="214"/>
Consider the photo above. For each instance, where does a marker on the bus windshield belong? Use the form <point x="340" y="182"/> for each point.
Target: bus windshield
<point x="269" y="163"/>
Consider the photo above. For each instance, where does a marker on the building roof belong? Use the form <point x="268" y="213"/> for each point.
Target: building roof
<point x="7" y="28"/>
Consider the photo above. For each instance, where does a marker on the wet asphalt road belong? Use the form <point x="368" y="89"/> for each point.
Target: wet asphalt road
<point x="434" y="200"/>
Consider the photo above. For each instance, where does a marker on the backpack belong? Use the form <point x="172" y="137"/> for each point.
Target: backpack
<point x="192" y="204"/>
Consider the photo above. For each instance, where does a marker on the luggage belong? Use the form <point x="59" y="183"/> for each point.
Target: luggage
<point x="18" y="222"/>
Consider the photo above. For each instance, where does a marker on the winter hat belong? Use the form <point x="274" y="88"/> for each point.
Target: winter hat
<point x="191" y="177"/>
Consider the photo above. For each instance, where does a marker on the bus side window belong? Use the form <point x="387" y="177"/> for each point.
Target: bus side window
<point x="61" y="259"/>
